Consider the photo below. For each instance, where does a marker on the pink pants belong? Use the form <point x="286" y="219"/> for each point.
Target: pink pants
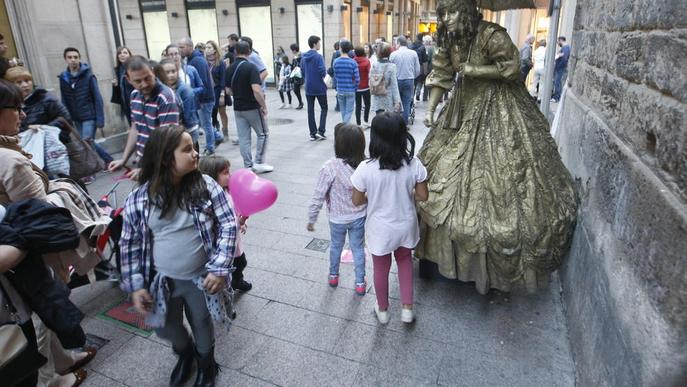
<point x="382" y="265"/>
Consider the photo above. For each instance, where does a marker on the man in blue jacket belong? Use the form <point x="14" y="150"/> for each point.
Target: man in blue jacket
<point x="206" y="99"/>
<point x="314" y="71"/>
<point x="560" y="69"/>
<point x="81" y="96"/>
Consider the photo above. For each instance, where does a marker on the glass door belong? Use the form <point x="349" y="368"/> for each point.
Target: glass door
<point x="308" y="23"/>
<point x="202" y="21"/>
<point x="255" y="21"/>
<point x="155" y="26"/>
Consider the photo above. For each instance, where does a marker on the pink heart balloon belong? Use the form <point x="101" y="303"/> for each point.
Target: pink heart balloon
<point x="250" y="193"/>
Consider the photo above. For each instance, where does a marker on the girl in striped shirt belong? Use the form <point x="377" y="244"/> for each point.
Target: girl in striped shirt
<point x="334" y="187"/>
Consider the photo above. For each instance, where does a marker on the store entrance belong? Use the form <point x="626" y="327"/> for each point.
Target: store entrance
<point x="255" y="21"/>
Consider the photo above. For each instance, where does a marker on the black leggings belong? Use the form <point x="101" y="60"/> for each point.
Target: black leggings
<point x="281" y="95"/>
<point x="365" y="96"/>
<point x="297" y="91"/>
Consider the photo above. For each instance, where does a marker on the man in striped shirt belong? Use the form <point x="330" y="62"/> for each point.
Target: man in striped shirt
<point x="347" y="78"/>
<point x="153" y="106"/>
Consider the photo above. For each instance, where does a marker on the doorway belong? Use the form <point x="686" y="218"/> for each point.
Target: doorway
<point x="255" y="21"/>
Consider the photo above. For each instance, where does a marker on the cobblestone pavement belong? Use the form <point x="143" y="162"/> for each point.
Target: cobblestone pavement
<point x="293" y="329"/>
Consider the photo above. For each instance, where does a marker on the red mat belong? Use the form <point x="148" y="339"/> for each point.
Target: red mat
<point x="124" y="314"/>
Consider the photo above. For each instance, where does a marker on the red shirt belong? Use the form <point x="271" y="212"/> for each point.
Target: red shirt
<point x="364" y="70"/>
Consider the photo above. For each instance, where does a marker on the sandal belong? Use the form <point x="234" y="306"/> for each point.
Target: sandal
<point x="91" y="352"/>
<point x="80" y="376"/>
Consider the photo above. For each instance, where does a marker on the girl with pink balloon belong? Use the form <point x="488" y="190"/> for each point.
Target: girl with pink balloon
<point x="219" y="168"/>
<point x="334" y="187"/>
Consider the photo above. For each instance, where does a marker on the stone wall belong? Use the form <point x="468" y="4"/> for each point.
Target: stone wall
<point x="623" y="135"/>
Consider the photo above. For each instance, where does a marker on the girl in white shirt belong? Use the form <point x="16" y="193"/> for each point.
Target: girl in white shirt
<point x="390" y="182"/>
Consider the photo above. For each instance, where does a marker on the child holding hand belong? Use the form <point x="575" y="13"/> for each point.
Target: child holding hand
<point x="334" y="187"/>
<point x="219" y="169"/>
<point x="390" y="182"/>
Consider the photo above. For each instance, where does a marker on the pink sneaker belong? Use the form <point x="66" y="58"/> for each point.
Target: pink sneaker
<point x="361" y="288"/>
<point x="333" y="280"/>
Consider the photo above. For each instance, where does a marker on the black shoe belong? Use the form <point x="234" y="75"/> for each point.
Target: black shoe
<point x="299" y="107"/>
<point x="207" y="370"/>
<point x="182" y="370"/>
<point x="320" y="137"/>
<point x="313" y="138"/>
<point x="242" y="285"/>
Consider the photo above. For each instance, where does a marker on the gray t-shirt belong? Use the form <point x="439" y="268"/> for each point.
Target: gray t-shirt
<point x="177" y="245"/>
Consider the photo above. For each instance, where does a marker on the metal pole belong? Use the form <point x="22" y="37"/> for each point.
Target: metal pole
<point x="550" y="57"/>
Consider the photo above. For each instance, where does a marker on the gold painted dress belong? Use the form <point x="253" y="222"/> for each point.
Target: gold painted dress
<point x="502" y="207"/>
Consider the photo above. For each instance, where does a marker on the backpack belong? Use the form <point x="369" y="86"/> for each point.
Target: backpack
<point x="377" y="82"/>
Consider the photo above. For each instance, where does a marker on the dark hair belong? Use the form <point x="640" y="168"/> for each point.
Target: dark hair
<point x="4" y="66"/>
<point x="118" y="63"/>
<point x="136" y="63"/>
<point x="213" y="166"/>
<point x="383" y="50"/>
<point x="294" y="47"/>
<point x="242" y="48"/>
<point x="247" y="40"/>
<point x="173" y="45"/>
<point x="157" y="166"/>
<point x="346" y="46"/>
<point x="389" y="140"/>
<point x="10" y="94"/>
<point x="349" y="143"/>
<point x="419" y="36"/>
<point x="359" y="51"/>
<point x="561" y="38"/>
<point x="312" y="41"/>
<point x="2" y="37"/>
<point x="159" y="72"/>
<point x="233" y="37"/>
<point x="285" y="60"/>
<point x="337" y="45"/>
<point x="70" y="49"/>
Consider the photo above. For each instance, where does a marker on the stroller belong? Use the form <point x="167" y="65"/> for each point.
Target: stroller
<point x="107" y="244"/>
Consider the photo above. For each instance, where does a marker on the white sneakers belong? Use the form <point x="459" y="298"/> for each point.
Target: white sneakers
<point x="283" y="105"/>
<point x="382" y="315"/>
<point x="407" y="315"/>
<point x="262" y="168"/>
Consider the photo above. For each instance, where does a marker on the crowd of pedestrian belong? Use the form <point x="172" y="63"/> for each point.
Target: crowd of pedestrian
<point x="183" y="201"/>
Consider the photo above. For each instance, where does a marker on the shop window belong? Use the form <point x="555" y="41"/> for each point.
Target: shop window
<point x="389" y="28"/>
<point x="346" y="20"/>
<point x="364" y="21"/>
<point x="202" y="20"/>
<point x="309" y="22"/>
<point x="255" y="21"/>
<point x="155" y="26"/>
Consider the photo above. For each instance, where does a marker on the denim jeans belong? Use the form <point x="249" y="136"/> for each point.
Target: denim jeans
<point x="322" y="100"/>
<point x="86" y="130"/>
<point x="244" y="121"/>
<point x="346" y="105"/>
<point x="558" y="76"/>
<point x="205" y="115"/>
<point x="406" y="88"/>
<point x="356" y="241"/>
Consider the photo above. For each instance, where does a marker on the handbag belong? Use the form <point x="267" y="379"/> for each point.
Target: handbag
<point x="329" y="81"/>
<point x="296" y="73"/>
<point x="83" y="159"/>
<point x="13" y="343"/>
<point x="116" y="94"/>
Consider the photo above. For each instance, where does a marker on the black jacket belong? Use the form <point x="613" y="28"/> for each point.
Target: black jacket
<point x="38" y="228"/>
<point x="42" y="108"/>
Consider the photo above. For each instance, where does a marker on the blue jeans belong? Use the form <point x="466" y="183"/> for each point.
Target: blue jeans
<point x="356" y="239"/>
<point x="346" y="105"/>
<point x="205" y="115"/>
<point x="406" y="88"/>
<point x="558" y="75"/>
<point x="86" y="130"/>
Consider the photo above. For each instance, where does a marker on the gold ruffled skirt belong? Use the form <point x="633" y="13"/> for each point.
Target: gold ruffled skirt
<point x="502" y="207"/>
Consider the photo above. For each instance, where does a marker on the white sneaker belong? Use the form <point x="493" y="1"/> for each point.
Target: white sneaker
<point x="262" y="168"/>
<point x="382" y="316"/>
<point x="282" y="106"/>
<point x="407" y="315"/>
<point x="235" y="141"/>
<point x="366" y="125"/>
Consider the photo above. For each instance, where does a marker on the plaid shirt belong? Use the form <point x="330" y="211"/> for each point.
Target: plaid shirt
<point x="214" y="221"/>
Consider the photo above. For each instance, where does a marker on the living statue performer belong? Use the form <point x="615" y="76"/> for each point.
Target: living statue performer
<point x="501" y="208"/>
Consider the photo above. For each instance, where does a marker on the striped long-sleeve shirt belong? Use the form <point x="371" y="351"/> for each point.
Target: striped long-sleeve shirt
<point x="160" y="110"/>
<point x="214" y="220"/>
<point x="346" y="74"/>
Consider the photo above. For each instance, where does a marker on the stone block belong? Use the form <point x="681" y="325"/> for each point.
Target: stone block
<point x="664" y="50"/>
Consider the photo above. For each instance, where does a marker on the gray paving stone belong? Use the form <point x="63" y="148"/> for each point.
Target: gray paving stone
<point x="95" y="379"/>
<point x="117" y="338"/>
<point x="230" y="377"/>
<point x="139" y="363"/>
<point x="288" y="364"/>
<point x="393" y="351"/>
<point x="277" y="287"/>
<point x="378" y="377"/>
<point x="297" y="325"/>
<point x="236" y="348"/>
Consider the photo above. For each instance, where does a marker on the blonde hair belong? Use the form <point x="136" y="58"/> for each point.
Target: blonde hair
<point x="17" y="73"/>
